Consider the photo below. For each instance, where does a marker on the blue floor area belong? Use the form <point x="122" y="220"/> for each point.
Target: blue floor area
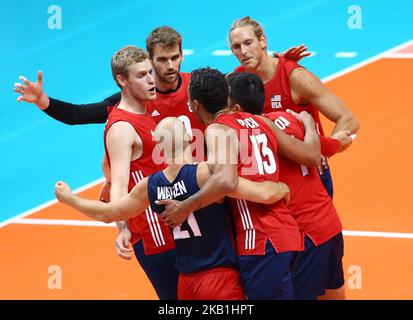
<point x="36" y="151"/>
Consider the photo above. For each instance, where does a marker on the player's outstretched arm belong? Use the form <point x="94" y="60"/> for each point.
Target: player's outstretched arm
<point x="310" y="89"/>
<point x="66" y="112"/>
<point x="266" y="192"/>
<point x="124" y="208"/>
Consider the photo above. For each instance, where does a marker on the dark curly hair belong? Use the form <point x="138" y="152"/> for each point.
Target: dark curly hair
<point x="210" y="88"/>
<point x="247" y="90"/>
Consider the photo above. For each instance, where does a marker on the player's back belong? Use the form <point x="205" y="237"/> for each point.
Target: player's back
<point x="256" y="223"/>
<point x="204" y="240"/>
<point x="310" y="204"/>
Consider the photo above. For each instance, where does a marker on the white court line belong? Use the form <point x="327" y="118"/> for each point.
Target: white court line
<point x="61" y="222"/>
<point x="86" y="223"/>
<point x="49" y="203"/>
<point x="326" y="79"/>
<point x="376" y="234"/>
<point x="187" y="52"/>
<point x="346" y="54"/>
<point x="363" y="63"/>
<point x="399" y="55"/>
<point x="220" y="53"/>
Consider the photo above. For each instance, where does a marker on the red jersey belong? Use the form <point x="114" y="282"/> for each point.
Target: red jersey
<point x="310" y="204"/>
<point x="256" y="223"/>
<point x="175" y="104"/>
<point x="278" y="92"/>
<point x="155" y="235"/>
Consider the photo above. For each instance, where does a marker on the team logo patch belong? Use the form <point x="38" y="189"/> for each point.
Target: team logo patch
<point x="276" y="101"/>
<point x="155" y="113"/>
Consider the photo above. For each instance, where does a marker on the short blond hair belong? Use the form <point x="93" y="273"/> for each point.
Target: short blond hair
<point x="247" y="21"/>
<point x="125" y="57"/>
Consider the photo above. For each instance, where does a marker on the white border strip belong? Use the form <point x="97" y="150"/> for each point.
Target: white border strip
<point x="49" y="203"/>
<point x="367" y="61"/>
<point x="375" y="234"/>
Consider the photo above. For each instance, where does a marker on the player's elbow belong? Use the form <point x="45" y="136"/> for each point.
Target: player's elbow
<point x="106" y="218"/>
<point x="313" y="159"/>
<point x="352" y="122"/>
<point x="228" y="184"/>
<point x="269" y="198"/>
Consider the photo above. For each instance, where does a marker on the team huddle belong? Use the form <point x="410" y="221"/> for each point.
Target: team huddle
<point x="219" y="184"/>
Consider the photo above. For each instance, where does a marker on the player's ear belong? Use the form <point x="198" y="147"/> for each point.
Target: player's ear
<point x="236" y="107"/>
<point x="195" y="105"/>
<point x="121" y="80"/>
<point x="263" y="42"/>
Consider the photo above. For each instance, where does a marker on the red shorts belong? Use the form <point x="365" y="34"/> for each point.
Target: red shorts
<point x="214" y="284"/>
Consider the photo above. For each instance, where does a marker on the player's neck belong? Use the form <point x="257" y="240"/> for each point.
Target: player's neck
<point x="166" y="87"/>
<point x="172" y="171"/>
<point x="223" y="111"/>
<point x="179" y="159"/>
<point x="131" y="104"/>
<point x="266" y="69"/>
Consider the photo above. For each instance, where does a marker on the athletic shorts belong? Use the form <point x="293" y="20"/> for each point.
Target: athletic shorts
<point x="219" y="283"/>
<point x="161" y="271"/>
<point x="319" y="268"/>
<point x="268" y="277"/>
<point x="327" y="181"/>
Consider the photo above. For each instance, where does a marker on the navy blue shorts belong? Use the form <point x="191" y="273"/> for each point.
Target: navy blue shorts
<point x="327" y="182"/>
<point x="160" y="269"/>
<point x="268" y="277"/>
<point x="319" y="268"/>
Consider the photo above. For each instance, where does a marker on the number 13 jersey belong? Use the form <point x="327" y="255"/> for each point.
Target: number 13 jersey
<point x="255" y="223"/>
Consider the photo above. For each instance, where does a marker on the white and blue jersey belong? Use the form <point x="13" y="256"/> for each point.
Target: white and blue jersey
<point x="205" y="240"/>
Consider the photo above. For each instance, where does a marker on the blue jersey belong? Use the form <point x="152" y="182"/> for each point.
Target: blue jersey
<point x="204" y="241"/>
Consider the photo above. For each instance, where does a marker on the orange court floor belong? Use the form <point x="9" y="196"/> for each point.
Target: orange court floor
<point x="372" y="195"/>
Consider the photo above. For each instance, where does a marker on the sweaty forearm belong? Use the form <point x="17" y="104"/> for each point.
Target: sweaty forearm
<point x="347" y="122"/>
<point x="312" y="140"/>
<point x="94" y="209"/>
<point x="215" y="188"/>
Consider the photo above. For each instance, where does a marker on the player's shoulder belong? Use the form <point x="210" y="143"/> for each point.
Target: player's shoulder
<point x="202" y="173"/>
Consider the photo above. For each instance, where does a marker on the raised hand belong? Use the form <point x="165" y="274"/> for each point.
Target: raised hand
<point x="294" y="53"/>
<point x="32" y="92"/>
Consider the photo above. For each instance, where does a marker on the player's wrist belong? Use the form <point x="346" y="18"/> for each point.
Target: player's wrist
<point x="43" y="101"/>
